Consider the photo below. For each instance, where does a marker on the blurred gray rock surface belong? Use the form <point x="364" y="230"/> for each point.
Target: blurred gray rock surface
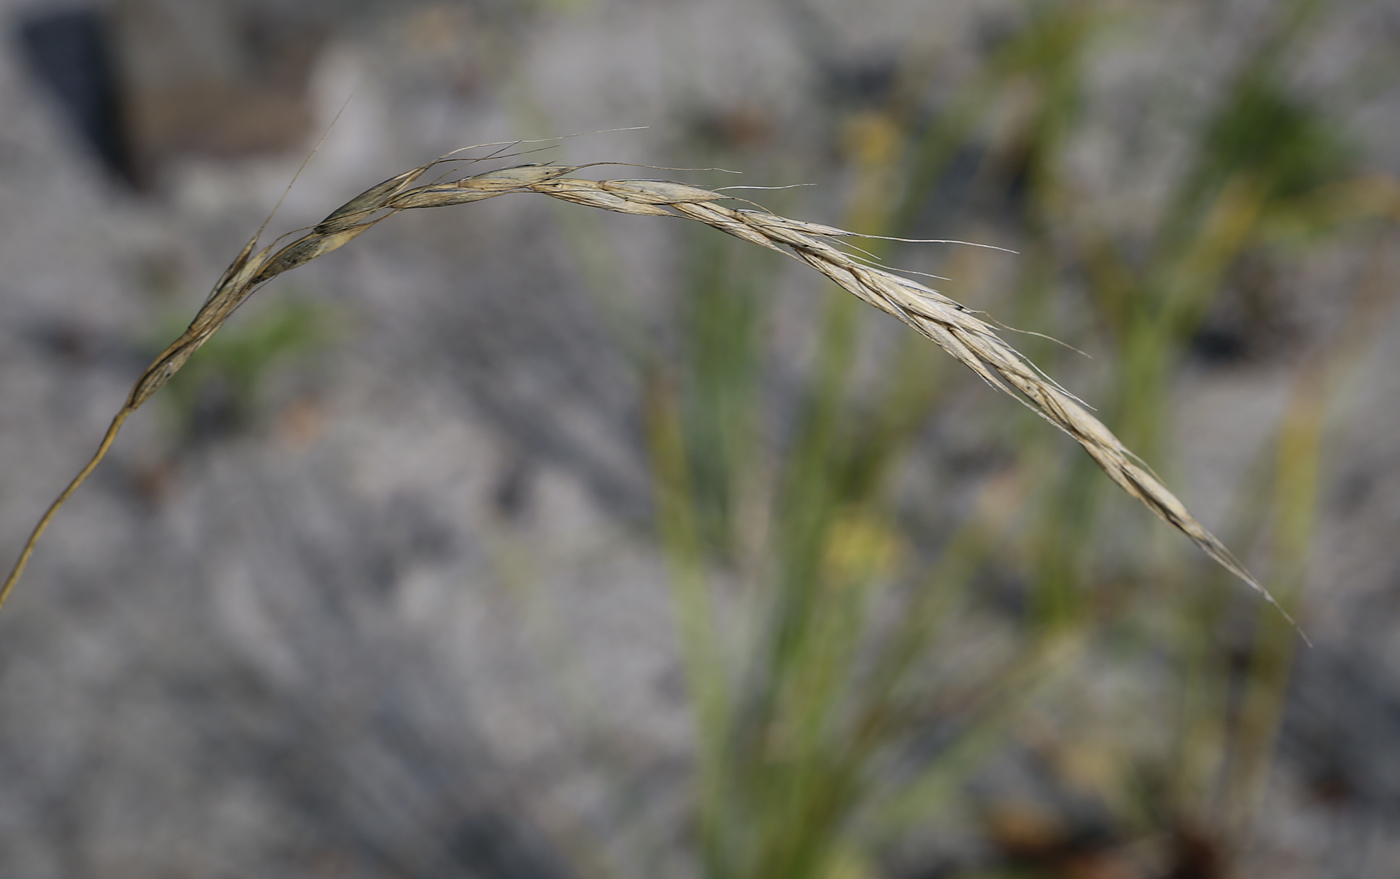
<point x="410" y="621"/>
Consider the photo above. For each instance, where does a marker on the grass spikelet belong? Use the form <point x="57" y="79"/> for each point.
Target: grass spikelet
<point x="954" y="328"/>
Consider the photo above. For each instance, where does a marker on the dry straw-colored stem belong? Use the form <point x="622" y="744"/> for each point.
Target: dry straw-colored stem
<point x="954" y="328"/>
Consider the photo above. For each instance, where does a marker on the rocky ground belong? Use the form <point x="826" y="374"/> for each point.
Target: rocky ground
<point x="393" y="606"/>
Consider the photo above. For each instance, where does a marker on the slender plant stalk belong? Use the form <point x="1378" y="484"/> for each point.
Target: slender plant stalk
<point x="956" y="329"/>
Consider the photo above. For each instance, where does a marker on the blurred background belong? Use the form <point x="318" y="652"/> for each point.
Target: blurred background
<point x="518" y="539"/>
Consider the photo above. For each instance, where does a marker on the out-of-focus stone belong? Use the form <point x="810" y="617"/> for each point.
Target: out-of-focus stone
<point x="220" y="77"/>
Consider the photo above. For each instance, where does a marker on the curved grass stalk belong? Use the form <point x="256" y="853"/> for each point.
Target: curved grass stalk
<point x="956" y="329"/>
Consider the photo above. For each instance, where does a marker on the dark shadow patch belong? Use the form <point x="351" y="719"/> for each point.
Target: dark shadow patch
<point x="70" y="52"/>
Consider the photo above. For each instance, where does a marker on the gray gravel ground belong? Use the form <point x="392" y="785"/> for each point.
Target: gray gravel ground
<point x="407" y="619"/>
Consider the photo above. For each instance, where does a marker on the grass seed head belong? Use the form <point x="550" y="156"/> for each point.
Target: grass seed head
<point x="958" y="331"/>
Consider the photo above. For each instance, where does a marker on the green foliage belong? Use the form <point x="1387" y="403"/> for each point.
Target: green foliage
<point x="803" y="716"/>
<point x="221" y="389"/>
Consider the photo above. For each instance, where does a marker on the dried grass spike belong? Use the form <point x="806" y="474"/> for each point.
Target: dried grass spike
<point x="439" y="197"/>
<point x="957" y="330"/>
<point x="367" y="202"/>
<point x="517" y="178"/>
<point x="659" y="191"/>
<point x="304" y="250"/>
